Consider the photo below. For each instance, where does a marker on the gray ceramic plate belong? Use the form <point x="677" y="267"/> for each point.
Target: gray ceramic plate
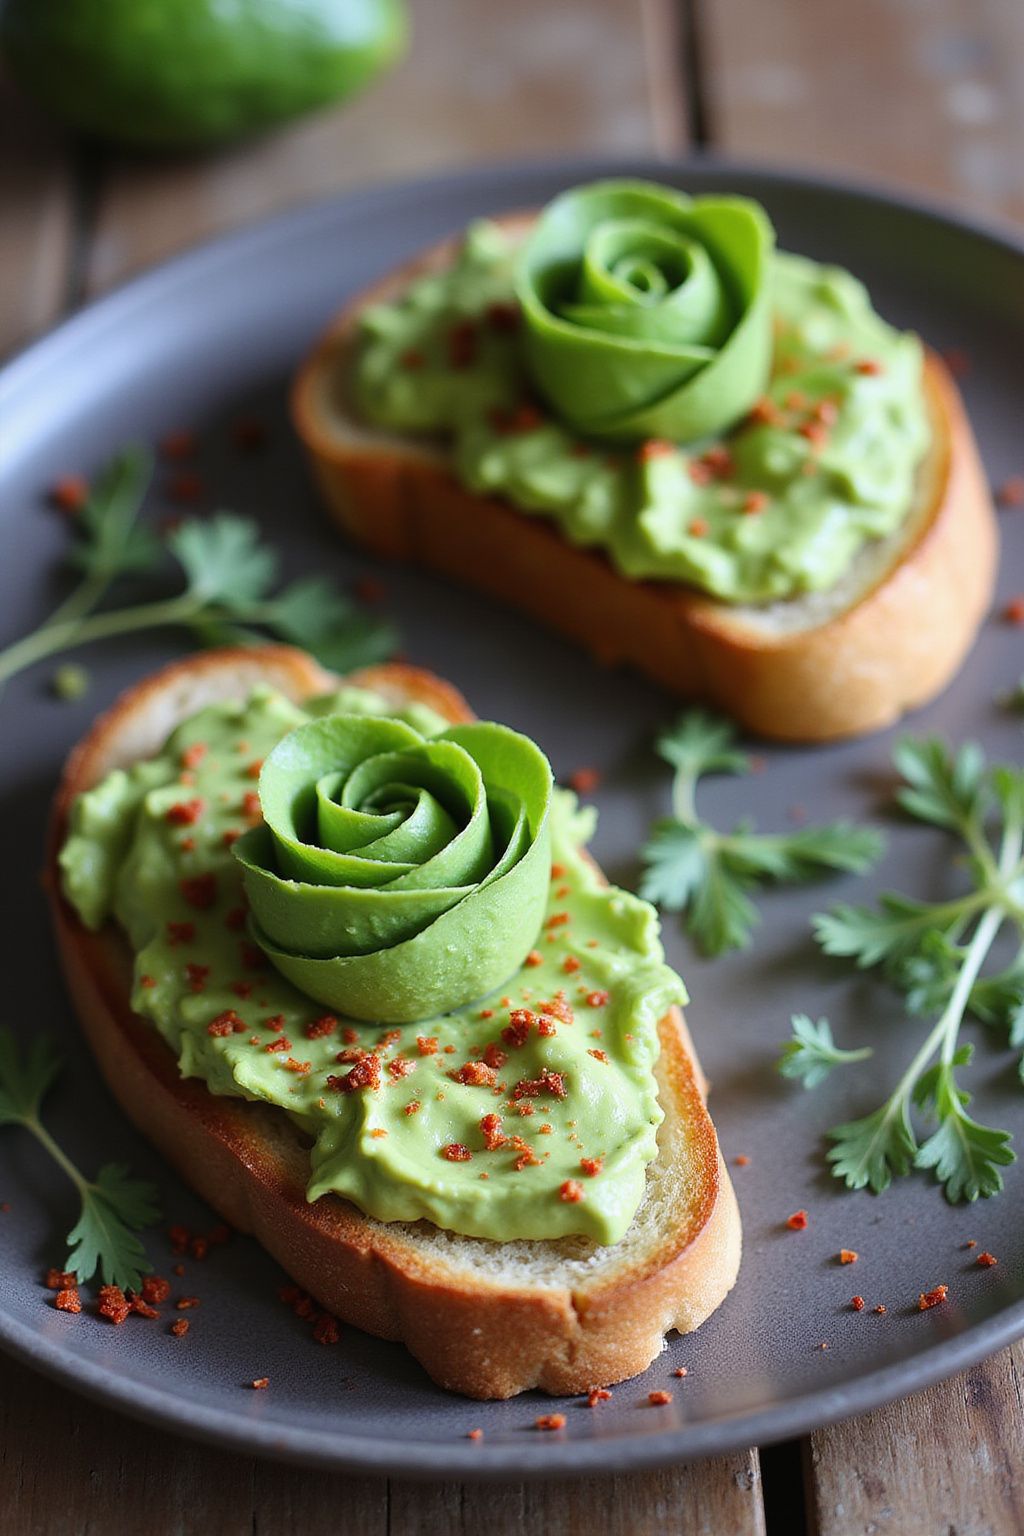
<point x="215" y="334"/>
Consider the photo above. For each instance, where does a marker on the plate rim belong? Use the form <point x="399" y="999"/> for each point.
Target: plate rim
<point x="478" y="1460"/>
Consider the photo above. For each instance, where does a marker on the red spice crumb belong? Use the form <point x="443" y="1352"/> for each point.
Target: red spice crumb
<point x="1011" y="492"/>
<point x="680" y="1370"/>
<point x="880" y="1309"/>
<point x="178" y="445"/>
<point x="474" y="1434"/>
<point x="235" y="919"/>
<point x="193" y="755"/>
<point x="654" y="448"/>
<point x="412" y="360"/>
<point x="986" y="1259"/>
<point x="179" y="1238"/>
<point x="592" y="1166"/>
<point x="699" y="528"/>
<point x="196" y="976"/>
<point x="299" y="1067"/>
<point x="971" y="1243"/>
<point x="198" y="1247"/>
<point x="140" y="1307"/>
<point x="400" y="1067"/>
<point x="274" y="1022"/>
<point x="797" y="1222"/>
<point x="848" y="1255"/>
<point x="659" y="1399"/>
<point x="597" y="1395"/>
<point x="413" y="1107"/>
<point x="67" y="1299"/>
<point x="957" y="361"/>
<point x="571" y="1192"/>
<point x="742" y="1160"/>
<point x="494" y="1056"/>
<point x="534" y="958"/>
<point x="516" y="1031"/>
<point x="474" y="1074"/>
<point x="455" y="1152"/>
<point x="187" y="844"/>
<point x="583" y="781"/>
<point x="934" y="1298"/>
<point x="155" y="1289"/>
<point x="186" y="487"/>
<point x="490" y="1129"/>
<point x="199" y="891"/>
<point x="180" y="933"/>
<point x="178" y="1269"/>
<point x="548" y="1082"/>
<point x="823" y="1345"/>
<point x="179" y="1328"/>
<point x="69" y="494"/>
<point x="185" y="812"/>
<point x="426" y="1044"/>
<point x="857" y="1303"/>
<point x="226" y="1023"/>
<point x="147" y="982"/>
<point x="598" y="1054"/>
<point x="869" y="365"/>
<point x="251" y="807"/>
<point x="764" y="411"/>
<point x="570" y="965"/>
<point x="186" y="1303"/>
<point x="326" y="1329"/>
<point x="550" y="1421"/>
<point x="60" y="1280"/>
<point x="462" y="344"/>
<point x="365" y="1074"/>
<point x="260" y="1383"/>
<point x="254" y="769"/>
<point x="558" y="919"/>
<point x="320" y="1027"/>
<point x="113" y="1304"/>
<point x="754" y="502"/>
<point x="1013" y="613"/>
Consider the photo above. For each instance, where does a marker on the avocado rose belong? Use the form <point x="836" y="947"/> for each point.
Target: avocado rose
<point x="396" y="877"/>
<point x="647" y="312"/>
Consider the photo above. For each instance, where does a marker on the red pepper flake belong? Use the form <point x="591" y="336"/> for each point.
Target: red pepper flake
<point x="571" y="1191"/>
<point x="558" y="919"/>
<point x="186" y="812"/>
<point x="934" y="1298"/>
<point x="598" y="1054"/>
<point x="1011" y="492"/>
<point x="155" y="1289"/>
<point x="67" y="1299"/>
<point x="490" y="1129"/>
<point x="280" y="1045"/>
<point x="494" y="1056"/>
<point x="986" y="1259"/>
<point x="1013" y="613"/>
<point x="235" y="919"/>
<point x="180" y="933"/>
<point x="326" y="1329"/>
<point x="533" y="958"/>
<point x="857" y="1303"/>
<point x="260" y="1383"/>
<point x="763" y="412"/>
<point x="365" y="1074"/>
<point x="462" y="344"/>
<point x="550" y="1421"/>
<point x="254" y="769"/>
<point x="60" y="1280"/>
<point x="848" y="1255"/>
<point x="226" y="1023"/>
<point x="870" y="366"/>
<point x="570" y="965"/>
<point x="659" y="1399"/>
<point x="797" y="1222"/>
<point x="699" y="528"/>
<point x="413" y="1107"/>
<point x="196" y="976"/>
<point x="597" y="999"/>
<point x="503" y="318"/>
<point x="548" y="1082"/>
<point x="597" y="1395"/>
<point x="200" y="891"/>
<point x="193" y="755"/>
<point x="680" y="1370"/>
<point x="113" y="1304"/>
<point x="474" y="1434"/>
<point x="140" y="1307"/>
<point x="592" y="1166"/>
<point x="400" y="1067"/>
<point x="69" y="494"/>
<point x="412" y="360"/>
<point x="274" y="1022"/>
<point x="251" y="807"/>
<point x="179" y="1328"/>
<point x="474" y="1074"/>
<point x="583" y="781"/>
<point x="815" y="432"/>
<point x="754" y="502"/>
<point x="187" y="844"/>
<point x="517" y="1030"/>
<point x="147" y="982"/>
<point x="719" y="461"/>
<point x="179" y="1238"/>
<point x="654" y="448"/>
<point x="185" y="488"/>
<point x="426" y="1045"/>
<point x="558" y="1008"/>
<point x="186" y="1303"/>
<point x="486" y="1013"/>
<point x="742" y="1160"/>
<point x="299" y="1067"/>
<point x="455" y="1152"/>
<point x="880" y="1309"/>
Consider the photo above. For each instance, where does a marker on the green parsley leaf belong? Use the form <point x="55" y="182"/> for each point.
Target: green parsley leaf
<point x="25" y="1080"/>
<point x="943" y="787"/>
<point x="868" y="1152"/>
<point x="223" y="560"/>
<point x="691" y="867"/>
<point x="966" y="1157"/>
<point x="868" y="935"/>
<point x="812" y="1053"/>
<point x="108" y="540"/>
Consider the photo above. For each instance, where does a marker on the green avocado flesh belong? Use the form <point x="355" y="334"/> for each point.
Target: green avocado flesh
<point x="575" y="1096"/>
<point x="177" y="73"/>
<point x="777" y="506"/>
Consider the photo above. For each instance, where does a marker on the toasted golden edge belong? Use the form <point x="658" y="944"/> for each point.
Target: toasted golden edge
<point x="485" y="1339"/>
<point x="895" y="647"/>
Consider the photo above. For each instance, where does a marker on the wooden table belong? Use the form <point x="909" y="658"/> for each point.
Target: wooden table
<point x="923" y="94"/>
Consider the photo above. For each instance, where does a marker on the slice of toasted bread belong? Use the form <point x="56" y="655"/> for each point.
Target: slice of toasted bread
<point x="486" y="1319"/>
<point x="886" y="638"/>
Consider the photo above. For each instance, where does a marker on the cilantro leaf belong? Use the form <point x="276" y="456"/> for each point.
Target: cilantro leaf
<point x="25" y="1081"/>
<point x="114" y="1207"/>
<point x="675" y="865"/>
<point x="700" y="743"/>
<point x="223" y="560"/>
<point x="966" y="1157"/>
<point x="812" y="1053"/>
<point x="801" y="855"/>
<point x="868" y="1152"/>
<point x="889" y="932"/>
<point x="943" y="787"/>
<point x="108" y="540"/>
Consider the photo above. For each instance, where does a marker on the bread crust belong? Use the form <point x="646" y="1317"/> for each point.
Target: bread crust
<point x="482" y="1337"/>
<point x="892" y="648"/>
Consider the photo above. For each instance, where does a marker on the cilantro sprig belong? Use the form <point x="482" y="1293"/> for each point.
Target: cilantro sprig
<point x="114" y="1206"/>
<point x="811" y="1054"/>
<point x="934" y="952"/>
<point x="693" y="868"/>
<point x="229" y="576"/>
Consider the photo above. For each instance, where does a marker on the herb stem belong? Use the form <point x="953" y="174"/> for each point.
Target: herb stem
<point x="68" y="634"/>
<point x="684" y="800"/>
<point x="59" y="1156"/>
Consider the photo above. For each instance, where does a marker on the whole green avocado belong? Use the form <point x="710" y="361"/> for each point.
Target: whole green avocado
<point x="168" y="74"/>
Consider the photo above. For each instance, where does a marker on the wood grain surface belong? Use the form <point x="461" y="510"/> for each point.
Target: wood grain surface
<point x="927" y="95"/>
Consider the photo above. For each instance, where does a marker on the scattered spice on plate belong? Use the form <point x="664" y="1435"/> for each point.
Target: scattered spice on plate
<point x="597" y="1395"/>
<point x="659" y="1399"/>
<point x="474" y="1434"/>
<point x="1013" y="613"/>
<point x="550" y="1421"/>
<point x="857" y="1303"/>
<point x="179" y="1328"/>
<point x="1011" y="492"/>
<point x="260" y="1383"/>
<point x="742" y="1160"/>
<point x="933" y="1298"/>
<point x="680" y="1370"/>
<point x="986" y="1259"/>
<point x="848" y="1255"/>
<point x="881" y="1309"/>
<point x="583" y="781"/>
<point x="797" y="1222"/>
<point x="67" y="1299"/>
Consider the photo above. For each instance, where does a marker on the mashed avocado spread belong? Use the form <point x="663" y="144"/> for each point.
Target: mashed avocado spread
<point x="531" y="1113"/>
<point x="651" y="374"/>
